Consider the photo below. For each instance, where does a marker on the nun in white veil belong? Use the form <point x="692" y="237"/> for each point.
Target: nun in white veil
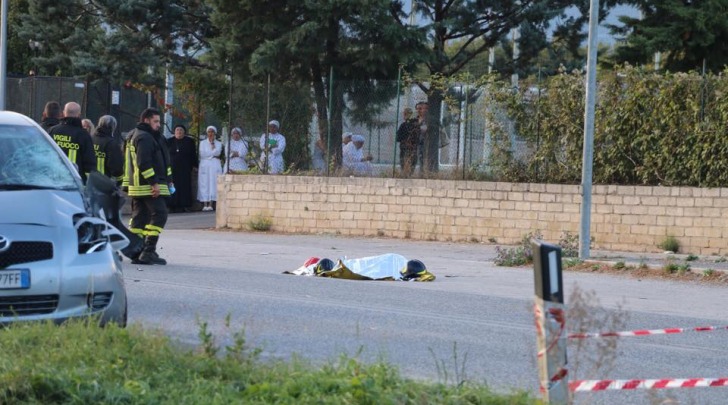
<point x="237" y="153"/>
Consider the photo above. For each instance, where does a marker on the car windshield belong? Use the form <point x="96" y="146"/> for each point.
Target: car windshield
<point x="28" y="160"/>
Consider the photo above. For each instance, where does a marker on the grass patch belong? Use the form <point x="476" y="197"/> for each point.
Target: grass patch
<point x="81" y="363"/>
<point x="519" y="255"/>
<point x="522" y="254"/>
<point x="671" y="268"/>
<point x="670" y="244"/>
<point x="691" y="257"/>
<point x="571" y="262"/>
<point x="620" y="266"/>
<point x="260" y="222"/>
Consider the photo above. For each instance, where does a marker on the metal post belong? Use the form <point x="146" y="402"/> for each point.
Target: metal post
<point x="168" y="101"/>
<point x="550" y="323"/>
<point x="587" y="160"/>
<point x="230" y="120"/>
<point x="461" y="127"/>
<point x="396" y="124"/>
<point x="516" y="36"/>
<point x="267" y="132"/>
<point x="3" y="52"/>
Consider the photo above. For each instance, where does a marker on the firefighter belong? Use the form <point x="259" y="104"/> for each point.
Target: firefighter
<point x="109" y="158"/>
<point x="147" y="179"/>
<point x="74" y="140"/>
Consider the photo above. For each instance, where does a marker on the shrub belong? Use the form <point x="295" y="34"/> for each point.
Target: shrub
<point x="569" y="244"/>
<point x="670" y="244"/>
<point x="518" y="256"/>
<point x="260" y="222"/>
<point x="671" y="268"/>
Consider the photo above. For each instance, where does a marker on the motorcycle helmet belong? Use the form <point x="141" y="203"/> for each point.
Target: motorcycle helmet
<point x="324" y="265"/>
<point x="413" y="269"/>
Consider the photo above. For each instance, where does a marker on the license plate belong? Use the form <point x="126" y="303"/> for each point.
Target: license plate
<point x="12" y="279"/>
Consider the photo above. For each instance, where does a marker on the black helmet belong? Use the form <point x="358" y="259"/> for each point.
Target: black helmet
<point x="413" y="269"/>
<point x="323" y="265"/>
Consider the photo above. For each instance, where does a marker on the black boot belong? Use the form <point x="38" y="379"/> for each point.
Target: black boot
<point x="149" y="254"/>
<point x="150" y="257"/>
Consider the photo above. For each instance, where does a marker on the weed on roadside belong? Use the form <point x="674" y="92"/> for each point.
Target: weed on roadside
<point x="519" y="255"/>
<point x="592" y="358"/>
<point x="260" y="222"/>
<point x="669" y="244"/>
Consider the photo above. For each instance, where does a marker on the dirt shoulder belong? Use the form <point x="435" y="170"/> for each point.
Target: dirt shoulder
<point x="665" y="266"/>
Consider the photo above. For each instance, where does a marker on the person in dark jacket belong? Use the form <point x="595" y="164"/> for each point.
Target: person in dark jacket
<point x="109" y="157"/>
<point x="74" y="140"/>
<point x="183" y="154"/>
<point x="408" y="136"/>
<point x="51" y="116"/>
<point x="147" y="178"/>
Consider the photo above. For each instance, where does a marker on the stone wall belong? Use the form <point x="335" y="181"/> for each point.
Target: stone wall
<point x="624" y="218"/>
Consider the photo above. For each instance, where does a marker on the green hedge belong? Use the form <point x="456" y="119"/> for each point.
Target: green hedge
<point x="650" y="129"/>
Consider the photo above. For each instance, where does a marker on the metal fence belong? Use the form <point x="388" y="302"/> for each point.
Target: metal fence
<point x="28" y="96"/>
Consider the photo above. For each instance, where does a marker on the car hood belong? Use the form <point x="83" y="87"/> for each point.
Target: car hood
<point x="40" y="207"/>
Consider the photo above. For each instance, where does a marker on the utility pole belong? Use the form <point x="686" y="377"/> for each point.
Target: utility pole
<point x="587" y="160"/>
<point x="3" y="52"/>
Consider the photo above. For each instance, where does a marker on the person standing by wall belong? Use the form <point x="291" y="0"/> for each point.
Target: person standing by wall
<point x="210" y="168"/>
<point x="273" y="151"/>
<point x="147" y="178"/>
<point x="408" y="136"/>
<point x="74" y="140"/>
<point x="237" y="153"/>
<point x="354" y="158"/>
<point x="109" y="156"/>
<point x="183" y="156"/>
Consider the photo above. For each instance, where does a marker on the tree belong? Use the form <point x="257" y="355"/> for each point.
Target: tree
<point x="116" y="39"/>
<point x="305" y="41"/>
<point x="476" y="26"/>
<point x="697" y="31"/>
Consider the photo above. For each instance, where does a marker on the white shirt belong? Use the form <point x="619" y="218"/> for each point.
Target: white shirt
<point x="237" y="163"/>
<point x="275" y="159"/>
<point x="353" y="158"/>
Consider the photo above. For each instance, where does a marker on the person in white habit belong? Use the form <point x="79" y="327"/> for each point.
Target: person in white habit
<point x="210" y="167"/>
<point x="274" y="149"/>
<point x="354" y="158"/>
<point x="237" y="153"/>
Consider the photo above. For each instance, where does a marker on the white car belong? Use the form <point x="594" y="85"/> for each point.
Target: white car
<point x="58" y="258"/>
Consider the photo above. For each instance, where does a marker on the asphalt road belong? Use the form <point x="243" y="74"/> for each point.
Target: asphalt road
<point x="474" y="323"/>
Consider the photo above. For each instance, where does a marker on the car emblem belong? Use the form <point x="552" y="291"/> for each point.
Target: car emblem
<point x="4" y="243"/>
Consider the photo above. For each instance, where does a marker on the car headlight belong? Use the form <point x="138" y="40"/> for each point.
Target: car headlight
<point x="95" y="233"/>
<point x="91" y="233"/>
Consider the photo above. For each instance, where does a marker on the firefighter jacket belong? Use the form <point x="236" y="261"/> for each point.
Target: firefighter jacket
<point x="109" y="156"/>
<point x="76" y="144"/>
<point x="146" y="162"/>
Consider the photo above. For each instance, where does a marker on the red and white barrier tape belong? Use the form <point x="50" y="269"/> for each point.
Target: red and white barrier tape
<point x="601" y="385"/>
<point x="667" y="331"/>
